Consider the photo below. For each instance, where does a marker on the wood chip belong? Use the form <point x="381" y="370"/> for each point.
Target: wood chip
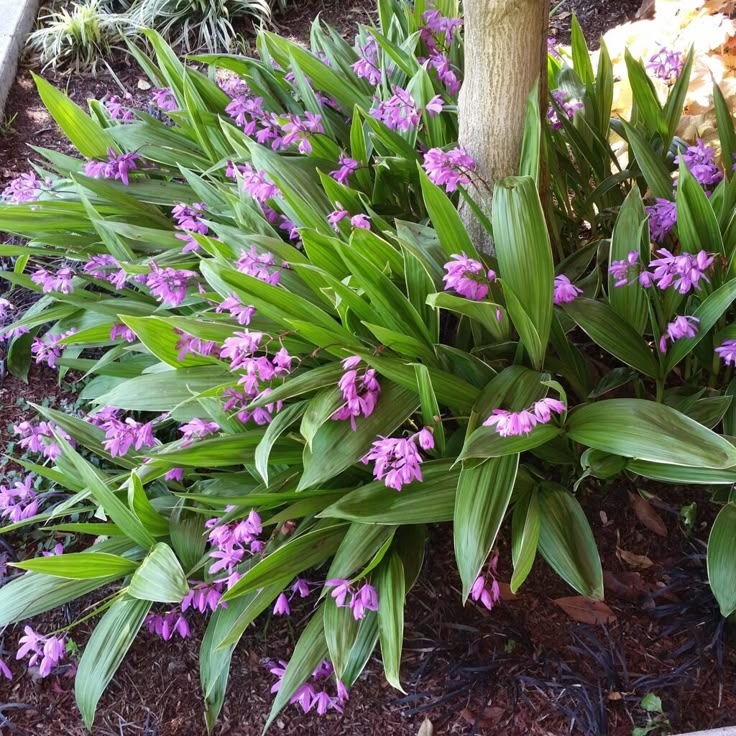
<point x="647" y="515"/>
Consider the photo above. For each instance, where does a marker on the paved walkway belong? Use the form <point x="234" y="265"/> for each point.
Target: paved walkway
<point x="16" y="20"/>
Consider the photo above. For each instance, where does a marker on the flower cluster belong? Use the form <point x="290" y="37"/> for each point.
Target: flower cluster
<point x="359" y="391"/>
<point x="564" y="290"/>
<point x="46" y="651"/>
<point x="197" y="429"/>
<point x="360" y="221"/>
<point x="202" y="597"/>
<point x="448" y="169"/>
<point x="231" y="542"/>
<point x="515" y="423"/>
<point x="727" y="351"/>
<point x="684" y="272"/>
<point x="99" y="266"/>
<point x="307" y="696"/>
<point x="24" y="188"/>
<point x="255" y="183"/>
<point x="367" y="66"/>
<point x="189" y="220"/>
<point x="187" y="344"/>
<point x="19" y="501"/>
<point x="358" y="600"/>
<point x="400" y="111"/>
<point x="701" y="162"/>
<point x="117" y="109"/>
<point x="122" y="332"/>
<point x="567" y="104"/>
<point x="169" y="285"/>
<point x="468" y="277"/>
<point x="682" y="327"/>
<point x="482" y="592"/>
<point x="242" y="313"/>
<point x="439" y="30"/>
<point x="261" y="266"/>
<point x="347" y="167"/>
<point x="163" y="98"/>
<point x="397" y="459"/>
<point x="117" y="166"/>
<point x="666" y="64"/>
<point x="121" y="435"/>
<point x="47" y="349"/>
<point x="662" y="218"/>
<point x="300" y="587"/>
<point x="40" y="438"/>
<point x="50" y="282"/>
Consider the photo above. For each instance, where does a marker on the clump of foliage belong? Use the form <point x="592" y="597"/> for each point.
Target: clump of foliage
<point x="80" y="36"/>
<point x="298" y="360"/>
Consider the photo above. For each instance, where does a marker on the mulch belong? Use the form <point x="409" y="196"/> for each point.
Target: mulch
<point x="524" y="669"/>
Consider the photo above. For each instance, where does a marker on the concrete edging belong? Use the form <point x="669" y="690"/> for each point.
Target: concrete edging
<point x="727" y="731"/>
<point x="16" y="20"/>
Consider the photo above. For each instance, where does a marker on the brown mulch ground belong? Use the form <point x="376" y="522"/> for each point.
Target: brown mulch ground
<point x="525" y="669"/>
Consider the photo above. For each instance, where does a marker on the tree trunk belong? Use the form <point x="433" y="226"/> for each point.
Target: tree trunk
<point x="505" y="53"/>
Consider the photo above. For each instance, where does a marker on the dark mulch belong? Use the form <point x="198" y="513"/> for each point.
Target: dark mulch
<point x="525" y="669"/>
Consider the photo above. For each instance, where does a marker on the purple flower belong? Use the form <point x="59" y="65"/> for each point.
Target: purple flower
<point x="50" y="282"/>
<point x="700" y="161"/>
<point x="5" y="307"/>
<point x="40" y="438"/>
<point x="680" y="328"/>
<point x="260" y="265"/>
<point x="399" y="112"/>
<point x="448" y="169"/>
<point x="232" y="304"/>
<point x="565" y="291"/>
<point x="552" y="49"/>
<point x="114" y="105"/>
<point x="163" y="98"/>
<point x="336" y="215"/>
<point x="47" y="349"/>
<point x="97" y="266"/>
<point x="282" y="606"/>
<point x="346" y="596"/>
<point x="667" y="64"/>
<point x="662" y="218"/>
<point x="300" y="588"/>
<point x="196" y="429"/>
<point x="255" y="183"/>
<point x="117" y="166"/>
<point x="123" y="332"/>
<point x="341" y="590"/>
<point x="568" y="104"/>
<point x="397" y="460"/>
<point x="434" y="106"/>
<point x="445" y="72"/>
<point x="360" y="391"/>
<point x="47" y="651"/>
<point x="5" y="670"/>
<point x="621" y="271"/>
<point x="19" y="501"/>
<point x="515" y="423"/>
<point x="120" y="436"/>
<point x="487" y="596"/>
<point x="361" y="221"/>
<point x="246" y="111"/>
<point x="467" y="277"/>
<point x="684" y="271"/>
<point x="169" y="285"/>
<point x="727" y="351"/>
<point x="231" y="542"/>
<point x="24" y="188"/>
<point x="367" y="66"/>
<point x="366" y="599"/>
<point x="436" y="24"/>
<point x="347" y="167"/>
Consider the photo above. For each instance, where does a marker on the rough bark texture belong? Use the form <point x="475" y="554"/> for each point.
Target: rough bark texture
<point x="505" y="51"/>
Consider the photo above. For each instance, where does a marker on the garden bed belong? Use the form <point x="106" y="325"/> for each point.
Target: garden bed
<point x="527" y="667"/>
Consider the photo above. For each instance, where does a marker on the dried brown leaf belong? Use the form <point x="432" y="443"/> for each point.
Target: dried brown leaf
<point x="647" y="515"/>
<point x="586" y="610"/>
<point x="639" y="562"/>
<point x="426" y="729"/>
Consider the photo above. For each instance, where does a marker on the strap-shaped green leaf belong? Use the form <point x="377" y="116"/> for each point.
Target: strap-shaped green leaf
<point x="159" y="577"/>
<point x="80" y="565"/>
<point x="722" y="559"/>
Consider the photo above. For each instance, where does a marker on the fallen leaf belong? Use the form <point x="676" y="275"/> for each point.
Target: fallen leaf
<point x="647" y="515"/>
<point x="604" y="517"/>
<point x="615" y="696"/>
<point x="506" y="594"/>
<point x="143" y="84"/>
<point x="484" y="720"/>
<point x="640" y="562"/>
<point x="586" y="610"/>
<point x="627" y="585"/>
<point x="426" y="729"/>
<point x="646" y="10"/>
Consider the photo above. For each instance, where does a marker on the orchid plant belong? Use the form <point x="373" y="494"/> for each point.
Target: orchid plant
<point x="295" y="360"/>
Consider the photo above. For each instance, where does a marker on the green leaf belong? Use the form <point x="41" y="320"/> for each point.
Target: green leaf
<point x="87" y="136"/>
<point x="483" y="495"/>
<point x="531" y="139"/>
<point x="580" y="55"/>
<point x="159" y="577"/>
<point x="105" y="650"/>
<point x="525" y="259"/>
<point x="361" y="543"/>
<point x="431" y="414"/>
<point x="722" y="559"/>
<point x="649" y="431"/>
<point x="335" y="446"/>
<point x="391" y="586"/>
<point x="341" y="631"/>
<point x="697" y="224"/>
<point x="525" y="526"/>
<point x="280" y="424"/>
<point x="710" y="310"/>
<point x="604" y="326"/>
<point x="682" y="475"/>
<point x="726" y="132"/>
<point x="645" y="97"/>
<point x="484" y="312"/>
<point x="187" y="533"/>
<point x="655" y="172"/>
<point x="566" y="542"/>
<point x="142" y="507"/>
<point x="485" y="442"/>
<point x="80" y="565"/>
<point x="298" y="554"/>
<point x="125" y="519"/>
<point x="430" y="501"/>
<point x="629" y="301"/>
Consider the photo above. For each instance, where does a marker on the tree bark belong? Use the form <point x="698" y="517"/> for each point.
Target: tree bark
<point x="505" y="53"/>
